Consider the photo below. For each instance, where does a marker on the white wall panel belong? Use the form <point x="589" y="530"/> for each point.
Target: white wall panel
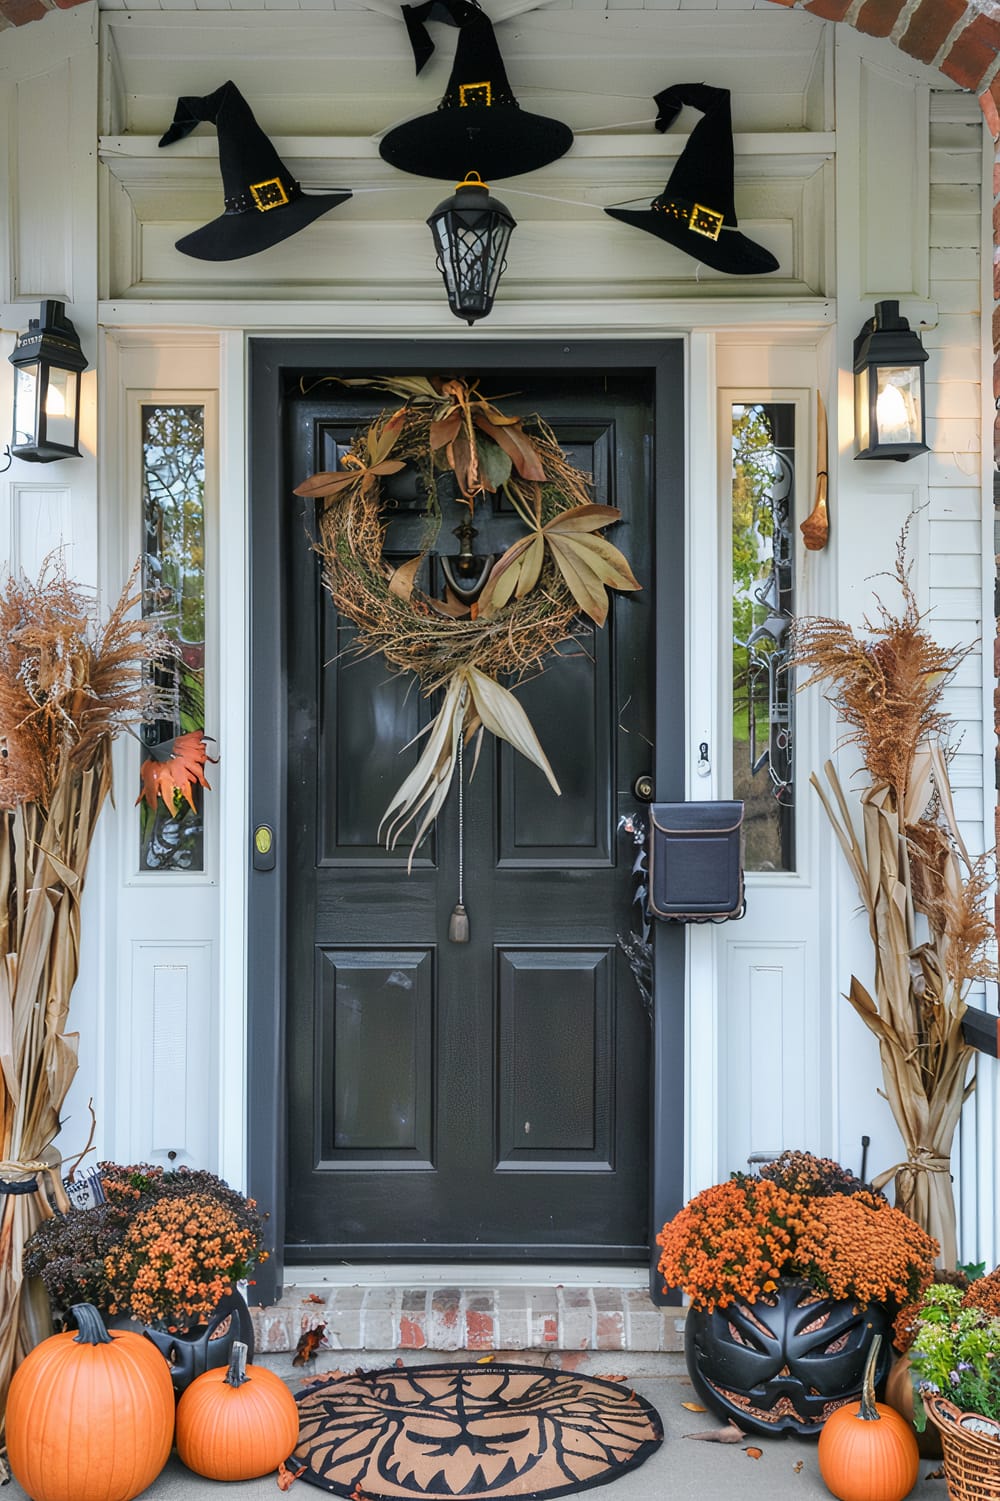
<point x="171" y="1064"/>
<point x="893" y="183"/>
<point x="40" y="519"/>
<point x="41" y="221"/>
<point x="765" y="1079"/>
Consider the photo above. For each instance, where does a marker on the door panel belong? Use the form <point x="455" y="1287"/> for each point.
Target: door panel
<point x="493" y="1099"/>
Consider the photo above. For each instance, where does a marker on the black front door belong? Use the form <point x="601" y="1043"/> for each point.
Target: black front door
<point x="488" y="1099"/>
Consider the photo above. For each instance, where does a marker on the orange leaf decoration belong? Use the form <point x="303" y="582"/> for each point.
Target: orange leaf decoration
<point x="176" y="766"/>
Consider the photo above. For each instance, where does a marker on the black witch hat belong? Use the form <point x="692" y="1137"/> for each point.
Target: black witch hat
<point x="696" y="210"/>
<point x="264" y="203"/>
<point x="479" y="125"/>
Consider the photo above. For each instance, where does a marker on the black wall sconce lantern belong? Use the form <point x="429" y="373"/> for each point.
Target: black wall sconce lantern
<point x="47" y="363"/>
<point x="471" y="232"/>
<point x="889" y="409"/>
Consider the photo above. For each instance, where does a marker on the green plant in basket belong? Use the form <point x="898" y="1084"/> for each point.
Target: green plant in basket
<point x="955" y="1352"/>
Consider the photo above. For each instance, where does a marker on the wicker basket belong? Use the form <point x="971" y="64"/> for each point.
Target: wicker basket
<point x="971" y="1461"/>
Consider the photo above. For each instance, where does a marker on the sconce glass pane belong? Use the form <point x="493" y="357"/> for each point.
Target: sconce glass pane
<point x="25" y="415"/>
<point x="862" y="409"/>
<point x="60" y="407"/>
<point x="173" y="594"/>
<point x="897" y="404"/>
<point x="763" y="556"/>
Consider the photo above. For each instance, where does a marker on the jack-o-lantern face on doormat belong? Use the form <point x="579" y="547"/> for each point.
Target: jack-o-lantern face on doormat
<point x="786" y="1362"/>
<point x="437" y="1432"/>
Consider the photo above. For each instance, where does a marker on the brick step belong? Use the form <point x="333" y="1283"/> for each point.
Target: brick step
<point x="472" y="1318"/>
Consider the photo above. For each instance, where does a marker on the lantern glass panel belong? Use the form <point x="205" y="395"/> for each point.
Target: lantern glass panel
<point x="60" y="407"/>
<point x="897" y="404"/>
<point x="862" y="408"/>
<point x="25" y="411"/>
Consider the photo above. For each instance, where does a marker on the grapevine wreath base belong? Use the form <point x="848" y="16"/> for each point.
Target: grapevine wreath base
<point x="560" y="568"/>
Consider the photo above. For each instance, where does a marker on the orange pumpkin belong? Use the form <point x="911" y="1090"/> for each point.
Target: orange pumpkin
<point x="868" y="1453"/>
<point x="238" y="1423"/>
<point x="90" y="1416"/>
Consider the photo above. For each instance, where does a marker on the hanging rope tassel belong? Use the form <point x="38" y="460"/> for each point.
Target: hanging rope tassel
<point x="458" y="925"/>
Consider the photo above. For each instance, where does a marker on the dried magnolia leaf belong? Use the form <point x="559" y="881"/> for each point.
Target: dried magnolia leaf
<point x="494" y="465"/>
<point x="381" y="440"/>
<point x="515" y="442"/>
<point x="331" y="482"/>
<point x="728" y="1435"/>
<point x="503" y="716"/>
<point x="445" y="431"/>
<point x="403" y="578"/>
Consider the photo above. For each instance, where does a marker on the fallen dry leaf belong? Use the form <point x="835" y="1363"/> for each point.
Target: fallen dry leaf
<point x="610" y="1375"/>
<point x="728" y="1435"/>
<point x="753" y="1452"/>
<point x="287" y="1477"/>
<point x="693" y="1407"/>
<point x="313" y="1298"/>
<point x="935" y="1474"/>
<point x="797" y="1467"/>
<point x="486" y="1360"/>
<point x="309" y="1342"/>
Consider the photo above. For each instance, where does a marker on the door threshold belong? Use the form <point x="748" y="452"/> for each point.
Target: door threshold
<point x="464" y="1274"/>
<point x="483" y="1307"/>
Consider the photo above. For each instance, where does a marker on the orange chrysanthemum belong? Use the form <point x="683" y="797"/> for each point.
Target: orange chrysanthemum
<point x="730" y="1240"/>
<point x="177" y="1259"/>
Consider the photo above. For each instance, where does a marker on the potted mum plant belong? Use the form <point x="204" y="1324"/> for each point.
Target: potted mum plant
<point x="790" y="1272"/>
<point x="955" y="1370"/>
<point x="165" y="1250"/>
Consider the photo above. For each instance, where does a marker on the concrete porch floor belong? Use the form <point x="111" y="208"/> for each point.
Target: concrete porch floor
<point x="681" y="1470"/>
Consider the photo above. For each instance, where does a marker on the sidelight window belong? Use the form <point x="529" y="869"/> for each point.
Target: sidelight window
<point x="763" y="597"/>
<point x="171" y="827"/>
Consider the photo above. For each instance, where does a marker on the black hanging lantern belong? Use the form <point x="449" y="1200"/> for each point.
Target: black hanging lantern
<point x="471" y="231"/>
<point x="889" y="408"/>
<point x="47" y="363"/>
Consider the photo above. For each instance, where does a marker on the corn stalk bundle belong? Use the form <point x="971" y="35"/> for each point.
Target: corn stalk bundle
<point x="927" y="901"/>
<point x="66" y="690"/>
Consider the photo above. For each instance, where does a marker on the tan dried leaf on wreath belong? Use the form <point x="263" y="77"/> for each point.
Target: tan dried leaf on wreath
<point x="589" y="564"/>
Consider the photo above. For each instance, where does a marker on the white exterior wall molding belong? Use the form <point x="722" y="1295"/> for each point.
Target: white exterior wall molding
<point x="864" y="172"/>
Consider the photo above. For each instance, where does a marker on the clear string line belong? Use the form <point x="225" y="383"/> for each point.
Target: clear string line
<point x="512" y="193"/>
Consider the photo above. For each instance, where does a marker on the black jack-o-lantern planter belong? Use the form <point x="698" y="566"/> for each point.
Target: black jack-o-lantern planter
<point x="204" y="1347"/>
<point x="784" y="1363"/>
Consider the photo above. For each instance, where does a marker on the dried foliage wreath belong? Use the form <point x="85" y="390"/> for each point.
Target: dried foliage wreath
<point x="535" y="592"/>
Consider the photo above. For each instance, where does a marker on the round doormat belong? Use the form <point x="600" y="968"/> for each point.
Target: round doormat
<point x="458" y="1430"/>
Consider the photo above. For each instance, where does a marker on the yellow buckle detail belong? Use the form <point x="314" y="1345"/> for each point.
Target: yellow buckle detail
<point x="269" y="194"/>
<point x="475" y="93"/>
<point x="705" y="221"/>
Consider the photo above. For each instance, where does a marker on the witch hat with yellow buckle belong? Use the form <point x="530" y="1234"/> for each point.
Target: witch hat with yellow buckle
<point x="264" y="203"/>
<point x="479" y="125"/>
<point x="696" y="210"/>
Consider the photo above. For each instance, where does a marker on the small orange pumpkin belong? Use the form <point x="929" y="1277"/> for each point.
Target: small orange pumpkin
<point x="90" y="1416"/>
<point x="236" y="1424"/>
<point x="868" y="1453"/>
